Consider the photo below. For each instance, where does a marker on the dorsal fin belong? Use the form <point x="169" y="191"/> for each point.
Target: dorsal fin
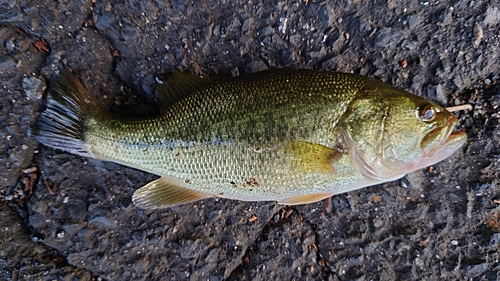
<point x="176" y="85"/>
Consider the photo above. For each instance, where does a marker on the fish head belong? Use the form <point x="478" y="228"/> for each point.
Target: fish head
<point x="390" y="132"/>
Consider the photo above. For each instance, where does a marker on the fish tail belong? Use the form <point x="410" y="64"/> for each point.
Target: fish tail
<point x="64" y="122"/>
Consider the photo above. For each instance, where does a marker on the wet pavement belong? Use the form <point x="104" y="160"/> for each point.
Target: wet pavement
<point x="64" y="217"/>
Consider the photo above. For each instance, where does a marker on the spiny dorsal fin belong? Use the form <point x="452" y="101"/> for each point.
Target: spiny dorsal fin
<point x="165" y="192"/>
<point x="304" y="199"/>
<point x="177" y="85"/>
<point x="312" y="157"/>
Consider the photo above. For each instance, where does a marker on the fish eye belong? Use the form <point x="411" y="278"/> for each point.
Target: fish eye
<point x="426" y="113"/>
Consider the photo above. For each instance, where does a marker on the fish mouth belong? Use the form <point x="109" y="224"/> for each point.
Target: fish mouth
<point x="441" y="141"/>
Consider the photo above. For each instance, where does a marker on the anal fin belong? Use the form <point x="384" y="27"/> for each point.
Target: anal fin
<point x="165" y="192"/>
<point x="305" y="199"/>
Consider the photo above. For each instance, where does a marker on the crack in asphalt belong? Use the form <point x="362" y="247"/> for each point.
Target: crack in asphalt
<point x="284" y="213"/>
<point x="319" y="257"/>
<point x="252" y="248"/>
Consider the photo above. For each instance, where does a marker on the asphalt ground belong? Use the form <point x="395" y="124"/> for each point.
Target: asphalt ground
<point x="64" y="217"/>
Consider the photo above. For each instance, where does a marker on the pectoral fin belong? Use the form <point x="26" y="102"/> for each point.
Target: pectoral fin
<point x="312" y="157"/>
<point x="165" y="192"/>
<point x="305" y="199"/>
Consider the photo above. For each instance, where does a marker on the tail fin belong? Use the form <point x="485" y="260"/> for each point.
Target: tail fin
<point x="64" y="122"/>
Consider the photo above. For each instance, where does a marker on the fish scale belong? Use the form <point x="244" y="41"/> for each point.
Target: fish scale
<point x="293" y="136"/>
<point x="244" y="118"/>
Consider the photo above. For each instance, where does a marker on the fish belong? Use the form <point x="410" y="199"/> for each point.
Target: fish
<point x="292" y="136"/>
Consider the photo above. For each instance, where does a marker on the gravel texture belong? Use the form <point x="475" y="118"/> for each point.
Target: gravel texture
<point x="71" y="218"/>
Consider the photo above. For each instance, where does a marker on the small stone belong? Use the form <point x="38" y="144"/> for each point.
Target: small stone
<point x="9" y="45"/>
<point x="76" y="209"/>
<point x="477" y="270"/>
<point x="87" y="236"/>
<point x="388" y="36"/>
<point x="454" y="242"/>
<point x="37" y="220"/>
<point x="6" y="64"/>
<point x="15" y="46"/>
<point x="276" y="218"/>
<point x="492" y="16"/>
<point x="478" y="34"/>
<point x="102" y="221"/>
<point x="495" y="239"/>
<point x="441" y="94"/>
<point x="33" y="87"/>
<point x="40" y="207"/>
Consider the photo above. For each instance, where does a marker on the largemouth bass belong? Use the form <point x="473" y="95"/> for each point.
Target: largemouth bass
<point x="292" y="136"/>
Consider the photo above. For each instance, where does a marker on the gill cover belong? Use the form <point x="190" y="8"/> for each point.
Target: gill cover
<point x="393" y="132"/>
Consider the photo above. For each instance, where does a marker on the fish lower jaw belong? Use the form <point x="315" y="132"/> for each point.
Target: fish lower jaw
<point x="428" y="157"/>
<point x="444" y="150"/>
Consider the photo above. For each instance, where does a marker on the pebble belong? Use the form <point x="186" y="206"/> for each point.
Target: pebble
<point x="492" y="16"/>
<point x="495" y="239"/>
<point x="385" y="36"/>
<point x="33" y="87"/>
<point x="477" y="270"/>
<point x="76" y="209"/>
<point x="276" y="218"/>
<point x="102" y="221"/>
<point x="40" y="207"/>
<point x="6" y="64"/>
<point x="15" y="46"/>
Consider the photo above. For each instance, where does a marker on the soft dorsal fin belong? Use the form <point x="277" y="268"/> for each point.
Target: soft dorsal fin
<point x="165" y="192"/>
<point x="177" y="85"/>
